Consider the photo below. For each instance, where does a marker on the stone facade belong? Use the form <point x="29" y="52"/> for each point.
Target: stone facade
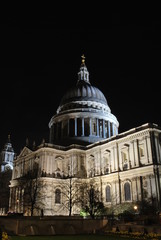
<point x="125" y="168"/>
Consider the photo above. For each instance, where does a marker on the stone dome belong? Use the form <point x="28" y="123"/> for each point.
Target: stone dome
<point x="84" y="91"/>
<point x="83" y="115"/>
<point x="83" y="94"/>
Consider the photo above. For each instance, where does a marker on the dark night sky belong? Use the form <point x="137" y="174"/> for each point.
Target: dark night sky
<point x="40" y="58"/>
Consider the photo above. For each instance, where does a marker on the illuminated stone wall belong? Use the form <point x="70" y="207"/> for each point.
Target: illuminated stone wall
<point x="127" y="166"/>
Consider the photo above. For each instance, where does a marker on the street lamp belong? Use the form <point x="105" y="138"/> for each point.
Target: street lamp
<point x="135" y="208"/>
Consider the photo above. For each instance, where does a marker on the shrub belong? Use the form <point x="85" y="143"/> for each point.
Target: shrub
<point x="5" y="236"/>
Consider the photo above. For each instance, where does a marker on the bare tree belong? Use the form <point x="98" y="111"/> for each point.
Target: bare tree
<point x="32" y="186"/>
<point x="5" y="178"/>
<point x="91" y="202"/>
<point x="71" y="193"/>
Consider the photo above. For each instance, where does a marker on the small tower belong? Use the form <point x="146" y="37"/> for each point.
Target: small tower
<point x="7" y="156"/>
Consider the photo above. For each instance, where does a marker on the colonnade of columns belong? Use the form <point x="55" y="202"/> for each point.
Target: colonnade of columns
<point x="16" y="199"/>
<point x="83" y="127"/>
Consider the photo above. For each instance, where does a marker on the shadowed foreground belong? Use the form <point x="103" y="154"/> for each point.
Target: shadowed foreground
<point x="71" y="237"/>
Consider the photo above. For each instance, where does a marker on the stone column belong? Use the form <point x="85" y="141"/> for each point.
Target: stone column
<point x="47" y="163"/>
<point x="112" y="158"/>
<point x="157" y="149"/>
<point x="113" y="130"/>
<point x="133" y="154"/>
<point x="157" y="184"/>
<point x="139" y="189"/>
<point x="90" y="126"/>
<point x="16" y="198"/>
<point x="11" y="198"/>
<point x="51" y="165"/>
<point x="114" y="192"/>
<point x="109" y="129"/>
<point x="82" y="126"/>
<point x="120" y="196"/>
<point x="136" y="153"/>
<point x="146" y="149"/>
<point x="129" y="157"/>
<point x="150" y="186"/>
<point x="115" y="158"/>
<point x="149" y="149"/>
<point x="22" y="197"/>
<point x="97" y="127"/>
<point x="71" y="165"/>
<point x="134" y="189"/>
<point x="103" y="127"/>
<point x="19" y="199"/>
<point x="75" y="121"/>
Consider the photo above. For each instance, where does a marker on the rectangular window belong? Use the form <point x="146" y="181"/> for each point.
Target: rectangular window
<point x="79" y="126"/>
<point x="65" y="128"/>
<point x="127" y="192"/>
<point x="71" y="127"/>
<point x="86" y="127"/>
<point x="108" y="194"/>
<point x="141" y="151"/>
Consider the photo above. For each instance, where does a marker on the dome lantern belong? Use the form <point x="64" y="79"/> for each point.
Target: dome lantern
<point x="83" y="74"/>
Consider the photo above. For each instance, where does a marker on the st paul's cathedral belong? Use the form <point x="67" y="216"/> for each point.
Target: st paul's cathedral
<point x="86" y="148"/>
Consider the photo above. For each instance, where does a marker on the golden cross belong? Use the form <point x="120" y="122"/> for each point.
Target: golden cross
<point x="83" y="58"/>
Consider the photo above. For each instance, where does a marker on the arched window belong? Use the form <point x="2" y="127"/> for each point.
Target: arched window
<point x="57" y="195"/>
<point x="127" y="191"/>
<point x="108" y="194"/>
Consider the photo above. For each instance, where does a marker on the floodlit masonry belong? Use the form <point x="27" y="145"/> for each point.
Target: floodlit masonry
<point x="85" y="148"/>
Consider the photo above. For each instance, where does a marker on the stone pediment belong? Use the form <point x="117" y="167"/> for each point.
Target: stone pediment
<point x="25" y="151"/>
